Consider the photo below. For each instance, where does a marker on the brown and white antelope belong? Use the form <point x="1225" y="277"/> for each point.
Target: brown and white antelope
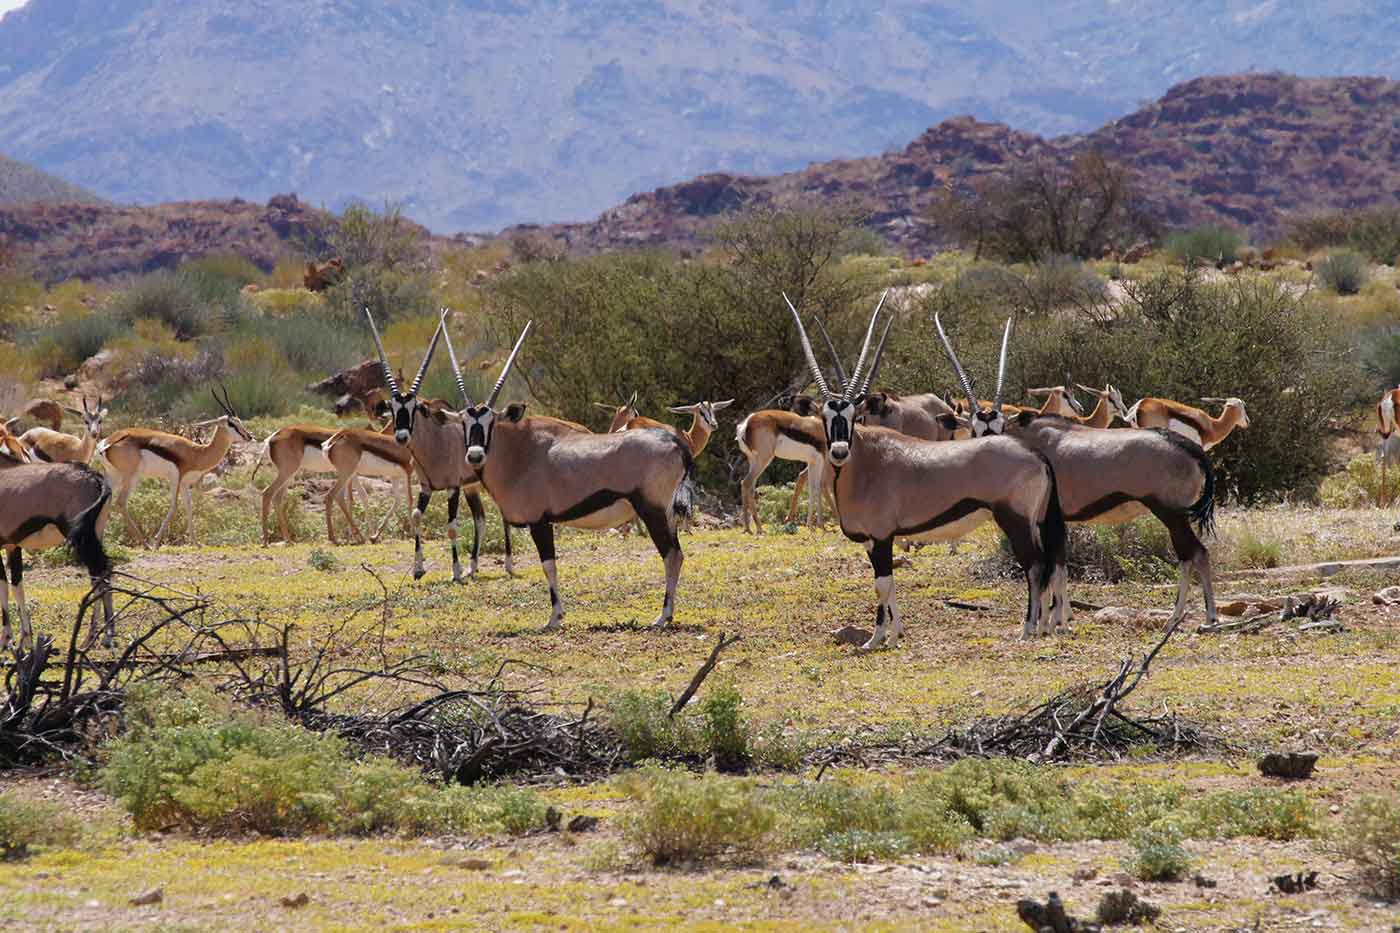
<point x="435" y="436"/>
<point x="891" y="485"/>
<point x="1386" y="415"/>
<point x="1059" y="400"/>
<point x="45" y="505"/>
<point x="543" y="472"/>
<point x="1110" y="477"/>
<point x="11" y="450"/>
<point x="1187" y="421"/>
<point x="356" y="452"/>
<point x="1108" y="408"/>
<point x="772" y="432"/>
<point x="703" y="423"/>
<point x="41" y="411"/>
<point x="52" y="446"/>
<point x="808" y="407"/>
<point x="621" y="414"/>
<point x="294" y="449"/>
<point x="134" y="453"/>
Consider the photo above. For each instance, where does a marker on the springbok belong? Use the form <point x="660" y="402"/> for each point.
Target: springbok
<point x="1110" y="477"/>
<point x="11" y="450"/>
<point x="542" y="471"/>
<point x="807" y="407"/>
<point x="891" y="485"/>
<point x="1105" y="411"/>
<point x="52" y="446"/>
<point x="435" y="436"/>
<point x="137" y="452"/>
<point x="1059" y="400"/>
<point x="772" y="432"/>
<point x="45" y="505"/>
<point x="621" y="414"/>
<point x="297" y="448"/>
<point x="1385" y="414"/>
<point x="1187" y="421"/>
<point x="355" y="452"/>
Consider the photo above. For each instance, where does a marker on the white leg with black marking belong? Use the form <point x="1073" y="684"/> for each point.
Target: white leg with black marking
<point x="416" y="523"/>
<point x="26" y="632"/>
<point x="4" y="606"/>
<point x="673" y="561"/>
<point x="888" y="628"/>
<point x="543" y="535"/>
<point x="452" y="502"/>
<point x="189" y="512"/>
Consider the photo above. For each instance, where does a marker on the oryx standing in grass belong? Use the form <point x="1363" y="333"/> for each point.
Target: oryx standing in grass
<point x="891" y="485"/>
<point x="435" y="436"/>
<point x="542" y="471"/>
<point x="1110" y="477"/>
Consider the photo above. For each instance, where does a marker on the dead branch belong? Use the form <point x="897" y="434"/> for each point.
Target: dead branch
<point x="702" y="673"/>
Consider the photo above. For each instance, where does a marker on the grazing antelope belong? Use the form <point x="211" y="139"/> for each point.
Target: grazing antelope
<point x="355" y="452"/>
<point x="1110" y="477"/>
<point x="44" y="505"/>
<point x="1187" y="421"/>
<point x="52" y="446"/>
<point x="1385" y="413"/>
<point x="435" y="437"/>
<point x="293" y="449"/>
<point x="543" y="472"/>
<point x="891" y="485"/>
<point x="137" y="452"/>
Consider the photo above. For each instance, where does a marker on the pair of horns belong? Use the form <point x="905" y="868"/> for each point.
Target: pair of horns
<point x="86" y="412"/>
<point x="505" y="370"/>
<point x="1101" y="393"/>
<point x="1212" y="400"/>
<point x="859" y="381"/>
<point x="224" y="402"/>
<point x="714" y="406"/>
<point x="389" y="379"/>
<point x="965" y="382"/>
<point x="629" y="403"/>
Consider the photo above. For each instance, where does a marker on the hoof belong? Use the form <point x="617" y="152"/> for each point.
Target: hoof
<point x="419" y="573"/>
<point x="662" y="621"/>
<point x="553" y="625"/>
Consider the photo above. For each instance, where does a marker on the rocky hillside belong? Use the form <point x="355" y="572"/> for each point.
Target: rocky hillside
<point x="1244" y="150"/>
<point x="480" y="113"/>
<point x="25" y="184"/>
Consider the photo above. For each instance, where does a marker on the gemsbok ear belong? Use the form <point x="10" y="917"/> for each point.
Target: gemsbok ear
<point x="952" y="422"/>
<point x="515" y="411"/>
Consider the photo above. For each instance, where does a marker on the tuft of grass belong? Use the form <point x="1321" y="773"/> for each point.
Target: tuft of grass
<point x="1344" y="271"/>
<point x="26" y="824"/>
<point x="725" y="732"/>
<point x="680" y="818"/>
<point x="1254" y="551"/>
<point x="641" y="720"/>
<point x="1158" y="854"/>
<point x="323" y="560"/>
<point x="1369" y="835"/>
<point x="1207" y="244"/>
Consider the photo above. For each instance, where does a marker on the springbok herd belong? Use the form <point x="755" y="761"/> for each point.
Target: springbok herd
<point x="915" y="467"/>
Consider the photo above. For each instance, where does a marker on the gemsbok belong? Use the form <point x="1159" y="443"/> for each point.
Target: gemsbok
<point x="1187" y="421"/>
<point x="136" y="452"/>
<point x="1110" y="477"/>
<point x="542" y="472"/>
<point x="51" y="446"/>
<point x="434" y="435"/>
<point x="891" y="485"/>
<point x="45" y="505"/>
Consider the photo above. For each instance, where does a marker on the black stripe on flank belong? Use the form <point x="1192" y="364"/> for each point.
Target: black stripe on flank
<point x="1107" y="504"/>
<point x="34" y="524"/>
<point x="39" y="453"/>
<point x="593" y="503"/>
<point x="963" y="509"/>
<point x="802" y="437"/>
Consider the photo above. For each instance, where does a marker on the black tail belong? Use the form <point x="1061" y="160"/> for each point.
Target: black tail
<point x="1053" y="533"/>
<point x="683" y="503"/>
<point x="84" y="541"/>
<point x="1202" y="511"/>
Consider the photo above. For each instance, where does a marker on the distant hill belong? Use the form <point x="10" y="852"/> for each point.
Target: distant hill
<point x="24" y="184"/>
<point x="1242" y="150"/>
<point x="477" y="114"/>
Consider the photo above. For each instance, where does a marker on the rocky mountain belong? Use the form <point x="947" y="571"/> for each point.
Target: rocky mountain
<point x="475" y="114"/>
<point x="1242" y="150"/>
<point x="25" y="184"/>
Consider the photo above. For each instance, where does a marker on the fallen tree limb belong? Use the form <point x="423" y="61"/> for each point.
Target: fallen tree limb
<point x="702" y="673"/>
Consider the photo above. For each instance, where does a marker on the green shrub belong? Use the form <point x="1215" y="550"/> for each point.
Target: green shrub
<point x="1376" y="233"/>
<point x="1343" y="271"/>
<point x="725" y="732"/>
<point x="774" y="748"/>
<point x="65" y="345"/>
<point x="322" y="560"/>
<point x="1003" y="799"/>
<point x="190" y="306"/>
<point x="1370" y="836"/>
<point x="1062" y="280"/>
<point x="1280" y="815"/>
<point x="1358" y="486"/>
<point x="218" y="276"/>
<point x="25" y="824"/>
<point x="642" y="721"/>
<point x="1255" y="552"/>
<point x="1158" y="854"/>
<point x="858" y="845"/>
<point x="314" y="345"/>
<point x="679" y="818"/>
<point x="1208" y="244"/>
<point x="195" y="762"/>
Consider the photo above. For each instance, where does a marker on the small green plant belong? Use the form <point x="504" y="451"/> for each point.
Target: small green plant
<point x="1208" y="244"/>
<point x="25" y="824"/>
<point x="996" y="856"/>
<point x="774" y="748"/>
<point x="1256" y="552"/>
<point x="681" y="818"/>
<point x="323" y="560"/>
<point x="1344" y="271"/>
<point x="725" y="731"/>
<point x="861" y="845"/>
<point x="1370" y="836"/>
<point x="1158" y="854"/>
<point x="61" y="348"/>
<point x="643" y="722"/>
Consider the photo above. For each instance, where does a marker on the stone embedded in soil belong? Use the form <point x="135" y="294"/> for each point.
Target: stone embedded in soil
<point x="153" y="896"/>
<point x="1294" y="766"/>
<point x="851" y="635"/>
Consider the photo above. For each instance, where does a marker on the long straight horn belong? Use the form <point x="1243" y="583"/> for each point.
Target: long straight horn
<point x="835" y="357"/>
<point x="807" y="350"/>
<point x="505" y="370"/>
<point x="865" y="347"/>
<point x="456" y="368"/>
<point x="1001" y="365"/>
<point x="965" y="382"/>
<point x="879" y="355"/>
<point x="428" y="357"/>
<point x="389" y="379"/>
